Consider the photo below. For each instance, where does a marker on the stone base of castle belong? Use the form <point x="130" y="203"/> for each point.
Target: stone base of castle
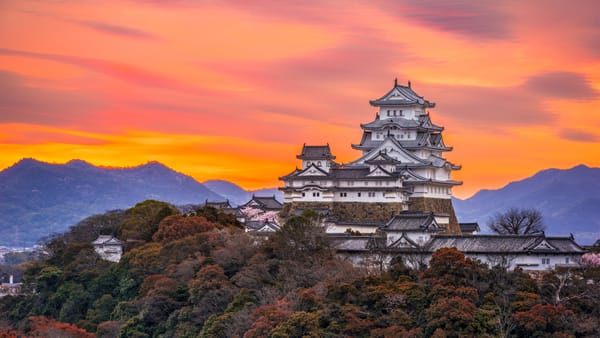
<point x="437" y="205"/>
<point x="380" y="212"/>
<point x="350" y="211"/>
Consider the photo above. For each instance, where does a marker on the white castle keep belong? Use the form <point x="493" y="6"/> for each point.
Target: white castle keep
<point x="402" y="167"/>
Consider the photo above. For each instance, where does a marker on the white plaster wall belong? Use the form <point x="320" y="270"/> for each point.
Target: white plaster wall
<point x="411" y="113"/>
<point x="111" y="253"/>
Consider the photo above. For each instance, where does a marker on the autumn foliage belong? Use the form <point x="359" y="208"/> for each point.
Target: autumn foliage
<point x="201" y="275"/>
<point x="45" y="327"/>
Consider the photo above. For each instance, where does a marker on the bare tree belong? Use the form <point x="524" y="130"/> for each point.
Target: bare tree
<point x="517" y="221"/>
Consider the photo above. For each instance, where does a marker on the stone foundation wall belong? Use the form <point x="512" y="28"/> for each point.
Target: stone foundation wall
<point x="440" y="205"/>
<point x="351" y="211"/>
<point x="360" y="211"/>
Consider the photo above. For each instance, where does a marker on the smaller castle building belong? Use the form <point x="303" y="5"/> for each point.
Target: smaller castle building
<point x="108" y="247"/>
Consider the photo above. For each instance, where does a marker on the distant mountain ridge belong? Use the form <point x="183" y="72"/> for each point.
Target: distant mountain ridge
<point x="37" y="198"/>
<point x="569" y="200"/>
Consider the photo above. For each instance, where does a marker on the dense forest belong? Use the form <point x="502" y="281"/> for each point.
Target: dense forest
<point x="201" y="275"/>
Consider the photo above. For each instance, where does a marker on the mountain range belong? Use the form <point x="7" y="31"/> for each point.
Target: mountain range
<point x="38" y="198"/>
<point x="568" y="199"/>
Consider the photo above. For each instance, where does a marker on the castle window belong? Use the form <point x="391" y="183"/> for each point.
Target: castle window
<point x="566" y="260"/>
<point x="371" y="194"/>
<point x="343" y="194"/>
<point x="358" y="194"/>
<point x="303" y="194"/>
<point x="316" y="194"/>
<point x="545" y="260"/>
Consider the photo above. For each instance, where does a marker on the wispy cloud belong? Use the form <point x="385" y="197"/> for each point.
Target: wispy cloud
<point x="118" y="70"/>
<point x="113" y="29"/>
<point x="474" y="19"/>
<point x="579" y="135"/>
<point x="38" y="105"/>
<point x="562" y="85"/>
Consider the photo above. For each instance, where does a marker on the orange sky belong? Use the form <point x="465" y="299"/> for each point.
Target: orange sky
<point x="232" y="89"/>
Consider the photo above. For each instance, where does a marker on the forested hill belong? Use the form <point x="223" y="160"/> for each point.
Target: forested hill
<point x="204" y="276"/>
<point x="38" y="198"/>
<point x="568" y="199"/>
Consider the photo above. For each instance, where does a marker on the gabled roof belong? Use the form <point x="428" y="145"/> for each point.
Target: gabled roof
<point x="264" y="202"/>
<point x="316" y="153"/>
<point x="106" y="240"/>
<point x="413" y="221"/>
<point x="351" y="243"/>
<point x="259" y="226"/>
<point x="217" y="204"/>
<point x="565" y="244"/>
<point x="404" y="242"/>
<point x="397" y="152"/>
<point x="503" y="243"/>
<point x="381" y="158"/>
<point x="469" y="227"/>
<point x="425" y="122"/>
<point x="379" y="172"/>
<point x="312" y="170"/>
<point x="397" y="121"/>
<point x="401" y="96"/>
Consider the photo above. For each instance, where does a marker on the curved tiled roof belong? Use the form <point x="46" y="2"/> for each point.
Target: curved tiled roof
<point x="316" y="153"/>
<point x="412" y="221"/>
<point x="378" y="124"/>
<point x="503" y="243"/>
<point x="401" y="96"/>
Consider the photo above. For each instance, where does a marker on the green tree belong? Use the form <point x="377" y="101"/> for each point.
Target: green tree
<point x="141" y="221"/>
<point x="301" y="238"/>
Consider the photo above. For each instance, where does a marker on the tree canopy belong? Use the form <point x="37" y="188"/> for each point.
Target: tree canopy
<point x="203" y="276"/>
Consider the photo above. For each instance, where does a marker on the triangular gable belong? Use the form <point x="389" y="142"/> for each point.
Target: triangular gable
<point x="313" y="170"/>
<point x="543" y="246"/>
<point x="393" y="149"/>
<point x="404" y="242"/>
<point x="382" y="157"/>
<point x="409" y="175"/>
<point x="269" y="227"/>
<point x="396" y="95"/>
<point x="379" y="172"/>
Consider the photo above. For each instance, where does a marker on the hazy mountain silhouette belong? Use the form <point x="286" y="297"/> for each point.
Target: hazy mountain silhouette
<point x="38" y="198"/>
<point x="568" y="199"/>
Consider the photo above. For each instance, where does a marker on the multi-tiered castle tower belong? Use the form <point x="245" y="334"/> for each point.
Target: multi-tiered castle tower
<point x="402" y="167"/>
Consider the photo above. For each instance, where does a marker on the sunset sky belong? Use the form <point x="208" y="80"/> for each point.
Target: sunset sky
<point x="232" y="89"/>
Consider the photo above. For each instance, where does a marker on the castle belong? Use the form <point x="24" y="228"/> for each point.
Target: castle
<point x="401" y="168"/>
<point x="394" y="201"/>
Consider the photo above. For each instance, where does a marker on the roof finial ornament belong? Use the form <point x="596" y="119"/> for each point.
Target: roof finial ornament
<point x="408" y="83"/>
<point x="396" y="82"/>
